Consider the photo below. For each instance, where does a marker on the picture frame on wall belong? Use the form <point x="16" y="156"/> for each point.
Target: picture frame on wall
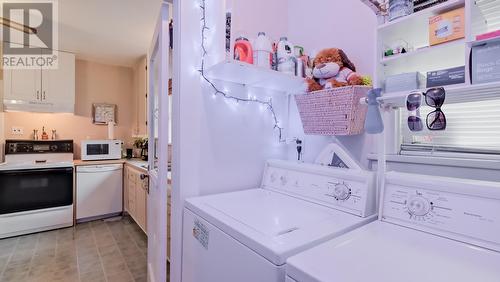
<point x="104" y="113"/>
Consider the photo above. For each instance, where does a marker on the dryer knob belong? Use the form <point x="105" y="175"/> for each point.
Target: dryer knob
<point x="341" y="192"/>
<point x="418" y="206"/>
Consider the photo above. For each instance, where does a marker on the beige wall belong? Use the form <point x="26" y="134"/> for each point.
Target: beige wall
<point x="95" y="83"/>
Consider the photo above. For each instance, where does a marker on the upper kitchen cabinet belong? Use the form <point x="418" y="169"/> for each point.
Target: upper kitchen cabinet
<point x="42" y="90"/>
<point x="58" y="86"/>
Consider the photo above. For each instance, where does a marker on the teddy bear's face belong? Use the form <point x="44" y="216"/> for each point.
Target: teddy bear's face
<point x="327" y="64"/>
<point x="325" y="71"/>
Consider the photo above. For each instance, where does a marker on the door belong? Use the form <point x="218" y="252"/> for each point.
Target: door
<point x="22" y="86"/>
<point x="158" y="116"/>
<point x="58" y="85"/>
<point x="28" y="190"/>
<point x="141" y="202"/>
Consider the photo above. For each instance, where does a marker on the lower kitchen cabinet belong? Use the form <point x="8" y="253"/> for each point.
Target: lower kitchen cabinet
<point x="136" y="195"/>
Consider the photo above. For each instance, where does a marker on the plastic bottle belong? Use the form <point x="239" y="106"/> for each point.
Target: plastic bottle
<point x="286" y="60"/>
<point x="243" y="50"/>
<point x="262" y="51"/>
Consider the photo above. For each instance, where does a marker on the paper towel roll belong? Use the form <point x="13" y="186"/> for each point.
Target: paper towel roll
<point x="111" y="130"/>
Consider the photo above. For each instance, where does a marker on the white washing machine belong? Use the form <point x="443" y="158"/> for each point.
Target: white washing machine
<point x="431" y="229"/>
<point x="247" y="236"/>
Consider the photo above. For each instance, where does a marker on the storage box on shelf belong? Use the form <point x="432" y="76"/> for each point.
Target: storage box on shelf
<point x="333" y="111"/>
<point x="479" y="18"/>
<point x="254" y="76"/>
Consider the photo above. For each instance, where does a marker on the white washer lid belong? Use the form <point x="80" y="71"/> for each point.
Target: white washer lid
<point x="272" y="224"/>
<point x="387" y="252"/>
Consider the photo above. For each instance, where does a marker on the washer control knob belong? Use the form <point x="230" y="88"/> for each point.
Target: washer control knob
<point x="283" y="180"/>
<point x="272" y="177"/>
<point x="418" y="206"/>
<point x="341" y="192"/>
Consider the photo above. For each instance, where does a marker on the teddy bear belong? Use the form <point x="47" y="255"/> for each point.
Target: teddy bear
<point x="332" y="68"/>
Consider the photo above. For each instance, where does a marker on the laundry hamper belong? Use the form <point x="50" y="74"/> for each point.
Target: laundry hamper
<point x="334" y="111"/>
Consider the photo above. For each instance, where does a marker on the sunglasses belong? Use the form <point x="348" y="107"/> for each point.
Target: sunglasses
<point x="436" y="120"/>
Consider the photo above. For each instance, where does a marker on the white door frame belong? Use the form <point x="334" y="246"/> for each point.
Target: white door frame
<point x="158" y="168"/>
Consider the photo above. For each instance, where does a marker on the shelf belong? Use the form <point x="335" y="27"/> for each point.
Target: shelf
<point x="254" y="76"/>
<point x="424" y="51"/>
<point x="435" y="10"/>
<point x="460" y="93"/>
<point x="484" y="41"/>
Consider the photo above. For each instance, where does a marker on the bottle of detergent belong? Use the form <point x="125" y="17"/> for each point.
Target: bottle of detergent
<point x="243" y="50"/>
<point x="262" y="51"/>
<point x="286" y="59"/>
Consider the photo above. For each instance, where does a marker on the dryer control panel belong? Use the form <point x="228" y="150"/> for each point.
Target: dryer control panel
<point x="352" y="191"/>
<point x="459" y="214"/>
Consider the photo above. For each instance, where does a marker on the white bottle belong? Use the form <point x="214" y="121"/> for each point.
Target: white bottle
<point x="286" y="60"/>
<point x="262" y="51"/>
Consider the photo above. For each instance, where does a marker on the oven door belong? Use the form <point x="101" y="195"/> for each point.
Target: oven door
<point x="35" y="189"/>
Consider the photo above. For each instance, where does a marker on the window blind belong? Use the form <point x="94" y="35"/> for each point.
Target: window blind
<point x="472" y="128"/>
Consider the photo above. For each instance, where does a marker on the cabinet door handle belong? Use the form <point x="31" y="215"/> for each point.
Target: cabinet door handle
<point x="38" y="94"/>
<point x="44" y="95"/>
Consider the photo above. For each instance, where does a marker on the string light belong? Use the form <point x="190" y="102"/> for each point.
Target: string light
<point x="225" y="94"/>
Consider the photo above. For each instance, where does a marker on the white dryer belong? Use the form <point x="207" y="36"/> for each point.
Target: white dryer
<point x="431" y="229"/>
<point x="247" y="236"/>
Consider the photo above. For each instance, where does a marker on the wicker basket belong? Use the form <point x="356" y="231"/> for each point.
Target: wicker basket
<point x="334" y="111"/>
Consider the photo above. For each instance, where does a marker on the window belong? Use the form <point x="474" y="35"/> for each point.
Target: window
<point x="472" y="128"/>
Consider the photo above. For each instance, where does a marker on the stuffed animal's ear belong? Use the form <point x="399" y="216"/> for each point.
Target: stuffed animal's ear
<point x="346" y="61"/>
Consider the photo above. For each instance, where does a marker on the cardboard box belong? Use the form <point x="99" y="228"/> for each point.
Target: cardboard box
<point x="403" y="82"/>
<point x="447" y="27"/>
<point x="446" y="77"/>
<point x="486" y="63"/>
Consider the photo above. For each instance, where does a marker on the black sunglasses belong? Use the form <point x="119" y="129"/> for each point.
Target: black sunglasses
<point x="435" y="120"/>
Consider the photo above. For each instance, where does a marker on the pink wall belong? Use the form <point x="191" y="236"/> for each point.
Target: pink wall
<point x="95" y="83"/>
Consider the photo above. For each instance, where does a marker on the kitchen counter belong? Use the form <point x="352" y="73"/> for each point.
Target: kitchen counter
<point x="138" y="164"/>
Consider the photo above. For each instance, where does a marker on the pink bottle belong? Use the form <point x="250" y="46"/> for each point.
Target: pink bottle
<point x="243" y="50"/>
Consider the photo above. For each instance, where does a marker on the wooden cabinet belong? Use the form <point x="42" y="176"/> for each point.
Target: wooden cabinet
<point x="136" y="195"/>
<point x="42" y="90"/>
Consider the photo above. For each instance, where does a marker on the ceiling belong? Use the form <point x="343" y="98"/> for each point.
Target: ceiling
<point x="115" y="32"/>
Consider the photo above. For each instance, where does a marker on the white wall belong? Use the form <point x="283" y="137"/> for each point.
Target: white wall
<point x="251" y="17"/>
<point x="223" y="146"/>
<point x="348" y="25"/>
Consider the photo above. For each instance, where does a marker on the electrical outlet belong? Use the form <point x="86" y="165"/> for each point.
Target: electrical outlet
<point x="17" y="130"/>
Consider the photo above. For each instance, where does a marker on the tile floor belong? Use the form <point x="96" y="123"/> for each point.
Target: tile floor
<point x="94" y="251"/>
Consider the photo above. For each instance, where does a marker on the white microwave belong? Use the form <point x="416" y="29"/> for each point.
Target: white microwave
<point x="97" y="150"/>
